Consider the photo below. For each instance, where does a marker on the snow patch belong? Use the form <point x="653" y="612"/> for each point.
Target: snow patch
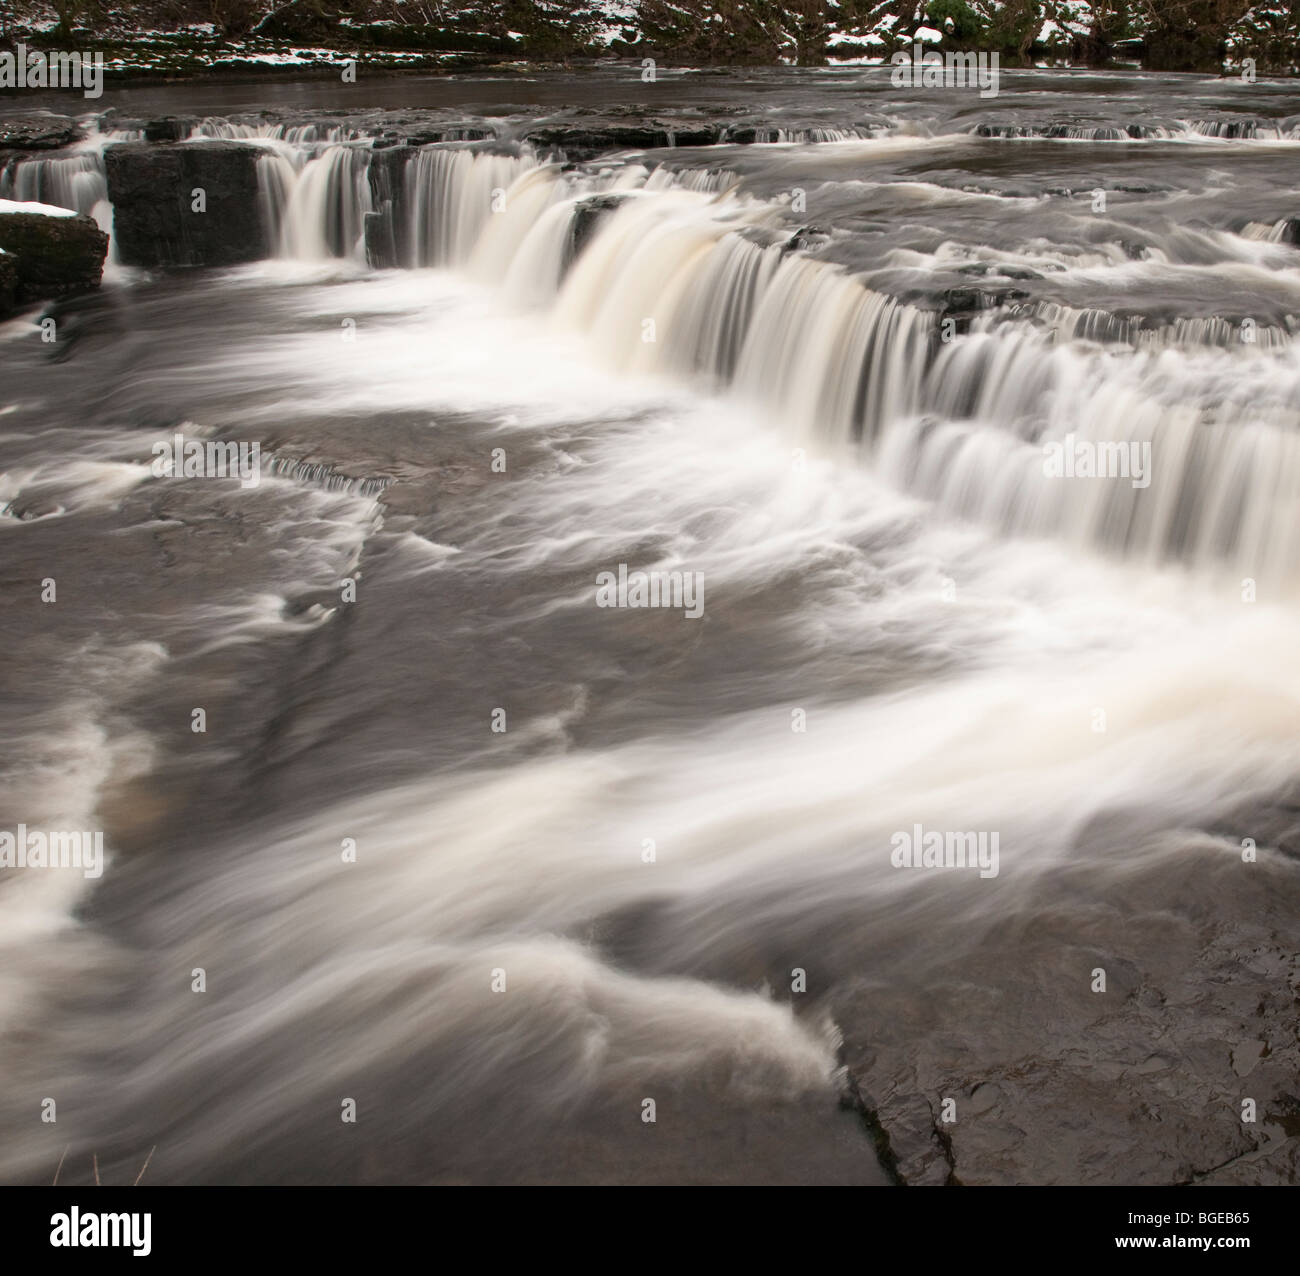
<point x="45" y="210"/>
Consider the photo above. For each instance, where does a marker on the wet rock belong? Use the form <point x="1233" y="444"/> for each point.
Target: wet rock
<point x="587" y="140"/>
<point x="39" y="132"/>
<point x="1055" y="1080"/>
<point x="157" y="217"/>
<point x="384" y="248"/>
<point x="48" y="257"/>
<point x="580" y="142"/>
<point x="169" y="128"/>
<point x="8" y="282"/>
<point x="380" y="240"/>
<point x="806" y="238"/>
<point x="963" y="304"/>
<point x="450" y="133"/>
<point x="587" y="215"/>
<point x="387" y="165"/>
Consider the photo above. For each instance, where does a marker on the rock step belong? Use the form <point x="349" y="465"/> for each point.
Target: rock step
<point x="185" y="204"/>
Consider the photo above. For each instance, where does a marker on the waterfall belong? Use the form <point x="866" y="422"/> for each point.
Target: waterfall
<point x="73" y="180"/>
<point x="276" y="179"/>
<point x="671" y="272"/>
<point x="1223" y="429"/>
<point x="451" y="194"/>
<point x="324" y="215"/>
<point x="666" y="274"/>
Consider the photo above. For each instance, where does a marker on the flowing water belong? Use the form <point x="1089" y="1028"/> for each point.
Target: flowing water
<point x="611" y="854"/>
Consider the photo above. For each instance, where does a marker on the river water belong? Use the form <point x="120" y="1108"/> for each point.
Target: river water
<point x="499" y="864"/>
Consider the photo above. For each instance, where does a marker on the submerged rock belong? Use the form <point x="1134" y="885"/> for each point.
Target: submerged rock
<point x="185" y="204"/>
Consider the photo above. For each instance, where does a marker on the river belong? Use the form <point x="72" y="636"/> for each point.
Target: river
<point x="556" y="891"/>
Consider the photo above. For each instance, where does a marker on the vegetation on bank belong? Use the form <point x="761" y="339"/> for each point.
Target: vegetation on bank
<point x="1183" y="35"/>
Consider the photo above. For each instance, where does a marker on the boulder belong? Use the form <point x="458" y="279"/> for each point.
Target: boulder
<point x="158" y="217"/>
<point x="48" y="256"/>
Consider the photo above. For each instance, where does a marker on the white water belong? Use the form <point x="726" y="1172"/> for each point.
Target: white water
<point x="677" y="281"/>
<point x="760" y="831"/>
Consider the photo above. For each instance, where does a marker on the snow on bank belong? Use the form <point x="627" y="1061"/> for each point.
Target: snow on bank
<point x="45" y="210"/>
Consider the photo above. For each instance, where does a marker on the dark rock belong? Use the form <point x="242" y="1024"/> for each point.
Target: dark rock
<point x="585" y="141"/>
<point x="387" y="166"/>
<point x="40" y="132"/>
<point x="169" y="128"/>
<point x="380" y="240"/>
<point x="152" y="189"/>
<point x="8" y="282"/>
<point x="48" y="257"/>
<point x="965" y="301"/>
<point x="1053" y="1080"/>
<point x="962" y="304"/>
<point x="587" y="215"/>
<point x="385" y="245"/>
<point x="693" y="136"/>
<point x="804" y="239"/>
<point x="452" y="133"/>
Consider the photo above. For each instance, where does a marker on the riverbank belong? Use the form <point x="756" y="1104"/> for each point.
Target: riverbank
<point x="257" y="37"/>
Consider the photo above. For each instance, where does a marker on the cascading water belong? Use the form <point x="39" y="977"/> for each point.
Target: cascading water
<point x="324" y="213"/>
<point x="74" y="180"/>
<point x="671" y="277"/>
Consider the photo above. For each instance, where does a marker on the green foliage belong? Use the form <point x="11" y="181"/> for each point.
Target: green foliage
<point x="966" y="25"/>
<point x="1013" y="29"/>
